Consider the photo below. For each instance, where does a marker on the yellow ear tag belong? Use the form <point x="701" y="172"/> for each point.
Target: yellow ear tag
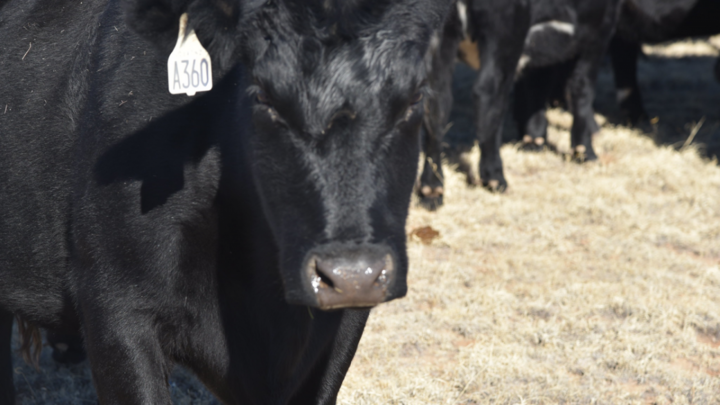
<point x="189" y="66"/>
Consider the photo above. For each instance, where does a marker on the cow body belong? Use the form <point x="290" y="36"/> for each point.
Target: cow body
<point x="654" y="22"/>
<point x="198" y="231"/>
<point x="519" y="40"/>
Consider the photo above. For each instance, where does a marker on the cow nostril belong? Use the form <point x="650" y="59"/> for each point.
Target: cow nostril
<point x="322" y="280"/>
<point x="319" y="279"/>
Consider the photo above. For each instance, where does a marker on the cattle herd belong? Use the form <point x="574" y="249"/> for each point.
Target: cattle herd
<point x="545" y="50"/>
<point x="245" y="232"/>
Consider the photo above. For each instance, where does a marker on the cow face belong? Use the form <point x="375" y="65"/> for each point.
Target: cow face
<point x="337" y="89"/>
<point x="337" y="110"/>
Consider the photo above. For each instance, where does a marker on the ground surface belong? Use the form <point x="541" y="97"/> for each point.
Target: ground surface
<point x="595" y="283"/>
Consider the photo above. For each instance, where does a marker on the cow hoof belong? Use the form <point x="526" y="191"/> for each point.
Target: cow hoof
<point x="531" y="147"/>
<point x="495" y="186"/>
<point x="581" y="154"/>
<point x="431" y="203"/>
<point x="472" y="180"/>
<point x="427" y="191"/>
<point x="465" y="168"/>
<point x="530" y="144"/>
<point x="431" y="198"/>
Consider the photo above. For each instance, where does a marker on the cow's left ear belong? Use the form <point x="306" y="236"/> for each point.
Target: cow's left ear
<point x="216" y="22"/>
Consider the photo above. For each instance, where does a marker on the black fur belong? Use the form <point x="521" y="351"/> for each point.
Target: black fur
<point x="653" y="22"/>
<point x="170" y="229"/>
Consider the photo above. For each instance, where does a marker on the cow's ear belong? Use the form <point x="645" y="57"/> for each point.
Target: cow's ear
<point x="216" y="22"/>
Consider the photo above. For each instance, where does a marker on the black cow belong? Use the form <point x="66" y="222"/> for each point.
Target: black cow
<point x="521" y="39"/>
<point x="208" y="231"/>
<point x="653" y="22"/>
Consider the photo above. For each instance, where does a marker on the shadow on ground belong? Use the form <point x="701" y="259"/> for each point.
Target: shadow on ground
<point x="59" y="384"/>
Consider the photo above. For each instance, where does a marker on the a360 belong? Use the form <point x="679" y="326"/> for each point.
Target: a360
<point x="194" y="77"/>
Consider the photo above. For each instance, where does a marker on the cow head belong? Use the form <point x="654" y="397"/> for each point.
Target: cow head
<point x="337" y="89"/>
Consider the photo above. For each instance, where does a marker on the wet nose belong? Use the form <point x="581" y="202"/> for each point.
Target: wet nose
<point x="356" y="279"/>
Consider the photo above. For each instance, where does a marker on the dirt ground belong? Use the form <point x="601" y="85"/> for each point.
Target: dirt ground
<point x="593" y="284"/>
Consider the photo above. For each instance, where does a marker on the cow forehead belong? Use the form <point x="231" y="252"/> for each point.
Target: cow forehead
<point x="319" y="59"/>
<point x="314" y="63"/>
<point x="373" y="77"/>
<point x="373" y="27"/>
<point x="373" y="62"/>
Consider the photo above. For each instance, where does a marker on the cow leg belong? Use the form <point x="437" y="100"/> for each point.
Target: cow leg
<point x="126" y="359"/>
<point x="580" y="90"/>
<point x="491" y="105"/>
<point x="430" y="190"/>
<point x="531" y="94"/>
<point x="7" y="389"/>
<point x="438" y="104"/>
<point x="624" y="55"/>
<point x="500" y="49"/>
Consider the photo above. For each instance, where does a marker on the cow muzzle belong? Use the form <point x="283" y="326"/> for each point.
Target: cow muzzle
<point x="353" y="278"/>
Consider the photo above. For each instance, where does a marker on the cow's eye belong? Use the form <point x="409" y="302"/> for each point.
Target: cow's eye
<point x="261" y="97"/>
<point x="417" y="98"/>
<point x="413" y="108"/>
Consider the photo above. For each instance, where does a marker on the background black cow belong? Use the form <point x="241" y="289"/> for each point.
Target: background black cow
<point x="520" y="39"/>
<point x="653" y="22"/>
<point x="205" y="231"/>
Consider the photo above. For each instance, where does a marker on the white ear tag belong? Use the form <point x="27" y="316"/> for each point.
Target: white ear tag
<point x="189" y="66"/>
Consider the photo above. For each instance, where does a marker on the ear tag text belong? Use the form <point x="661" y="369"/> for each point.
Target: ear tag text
<point x="189" y="66"/>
